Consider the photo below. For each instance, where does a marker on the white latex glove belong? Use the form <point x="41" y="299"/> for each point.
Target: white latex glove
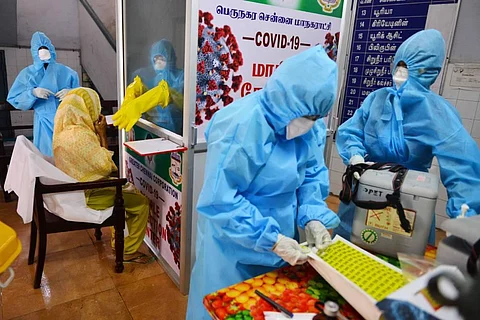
<point x="464" y="208"/>
<point x="42" y="93"/>
<point x="356" y="159"/>
<point x="317" y="235"/>
<point x="289" y="250"/>
<point x="61" y="94"/>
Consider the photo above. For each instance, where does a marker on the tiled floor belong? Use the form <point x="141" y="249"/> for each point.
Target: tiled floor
<point x="79" y="282"/>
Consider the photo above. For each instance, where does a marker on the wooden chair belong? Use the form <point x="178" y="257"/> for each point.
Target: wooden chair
<point x="46" y="222"/>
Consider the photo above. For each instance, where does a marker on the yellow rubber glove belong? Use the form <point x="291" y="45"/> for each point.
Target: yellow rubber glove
<point x="134" y="90"/>
<point x="129" y="113"/>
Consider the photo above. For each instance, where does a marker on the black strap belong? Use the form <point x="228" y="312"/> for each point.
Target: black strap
<point x="473" y="259"/>
<point x="349" y="183"/>
<point x="394" y="199"/>
<point x="350" y="189"/>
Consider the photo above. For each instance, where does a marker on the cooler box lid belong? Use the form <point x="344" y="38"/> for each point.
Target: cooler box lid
<point x="417" y="183"/>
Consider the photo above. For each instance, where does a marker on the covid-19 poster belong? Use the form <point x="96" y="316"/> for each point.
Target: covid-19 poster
<point x="241" y="43"/>
<point x="159" y="178"/>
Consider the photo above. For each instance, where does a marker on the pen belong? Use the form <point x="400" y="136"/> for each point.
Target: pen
<point x="278" y="307"/>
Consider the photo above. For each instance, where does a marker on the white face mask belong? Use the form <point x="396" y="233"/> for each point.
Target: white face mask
<point x="159" y="63"/>
<point x="400" y="76"/>
<point x="298" y="127"/>
<point x="44" y="54"/>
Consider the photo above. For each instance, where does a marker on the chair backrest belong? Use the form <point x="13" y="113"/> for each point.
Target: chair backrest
<point x="38" y="205"/>
<point x="28" y="164"/>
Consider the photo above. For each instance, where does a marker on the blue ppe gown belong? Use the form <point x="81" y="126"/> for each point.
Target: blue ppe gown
<point x="55" y="78"/>
<point x="258" y="184"/>
<point x="412" y="125"/>
<point x="170" y="118"/>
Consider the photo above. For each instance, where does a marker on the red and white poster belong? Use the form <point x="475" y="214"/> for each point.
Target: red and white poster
<point x="241" y="43"/>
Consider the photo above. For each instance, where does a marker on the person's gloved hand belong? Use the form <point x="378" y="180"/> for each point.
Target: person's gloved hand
<point x="134" y="90"/>
<point x="317" y="235"/>
<point x="289" y="250"/>
<point x="356" y="159"/>
<point x="126" y="117"/>
<point x="464" y="211"/>
<point x="130" y="112"/>
<point x="61" y="94"/>
<point x="42" y="93"/>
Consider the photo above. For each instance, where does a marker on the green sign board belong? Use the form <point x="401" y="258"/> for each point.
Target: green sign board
<point x="331" y="8"/>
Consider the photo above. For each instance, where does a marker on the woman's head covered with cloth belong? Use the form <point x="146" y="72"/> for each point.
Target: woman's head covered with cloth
<point x="76" y="144"/>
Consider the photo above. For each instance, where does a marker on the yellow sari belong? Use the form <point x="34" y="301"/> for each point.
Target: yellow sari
<point x="76" y="145"/>
<point x="78" y="153"/>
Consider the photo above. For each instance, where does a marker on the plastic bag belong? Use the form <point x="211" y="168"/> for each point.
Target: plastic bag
<point x="414" y="266"/>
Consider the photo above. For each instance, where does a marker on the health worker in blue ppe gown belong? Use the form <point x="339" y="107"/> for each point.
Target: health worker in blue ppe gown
<point x="164" y="67"/>
<point x="408" y="124"/>
<point x="41" y="86"/>
<point x="265" y="177"/>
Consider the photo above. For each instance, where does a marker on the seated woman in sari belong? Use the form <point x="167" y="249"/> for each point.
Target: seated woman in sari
<point x="80" y="150"/>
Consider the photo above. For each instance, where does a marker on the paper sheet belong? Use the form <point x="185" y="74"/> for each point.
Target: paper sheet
<point x="373" y="277"/>
<point x="109" y="120"/>
<point x="153" y="146"/>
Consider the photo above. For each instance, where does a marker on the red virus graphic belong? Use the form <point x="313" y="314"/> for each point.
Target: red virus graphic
<point x="129" y="173"/>
<point x="173" y="231"/>
<point x="331" y="45"/>
<point x="219" y="58"/>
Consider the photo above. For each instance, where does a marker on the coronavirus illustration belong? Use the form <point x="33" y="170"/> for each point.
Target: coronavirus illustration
<point x="218" y="62"/>
<point x="129" y="173"/>
<point x="331" y="45"/>
<point x="173" y="231"/>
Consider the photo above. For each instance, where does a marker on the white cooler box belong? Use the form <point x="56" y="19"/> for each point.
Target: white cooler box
<point x="380" y="230"/>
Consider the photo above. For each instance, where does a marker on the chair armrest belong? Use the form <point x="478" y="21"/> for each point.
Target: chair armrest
<point x="69" y="187"/>
<point x="24" y="127"/>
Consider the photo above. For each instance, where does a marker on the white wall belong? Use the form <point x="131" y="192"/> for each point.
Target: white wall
<point x="8" y="17"/>
<point x="105" y="10"/>
<point x="98" y="57"/>
<point x="57" y="19"/>
<point x="466" y="44"/>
